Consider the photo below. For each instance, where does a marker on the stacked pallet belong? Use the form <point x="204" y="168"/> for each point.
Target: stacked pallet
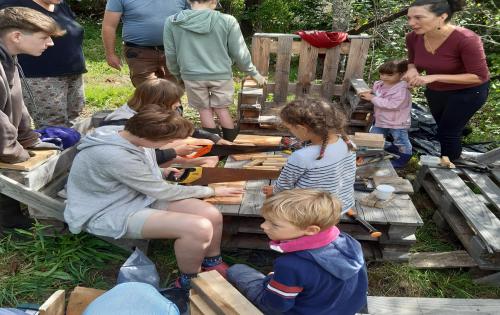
<point x="469" y="203"/>
<point x="397" y="220"/>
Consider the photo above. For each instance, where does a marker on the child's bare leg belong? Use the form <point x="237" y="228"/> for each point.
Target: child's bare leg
<point x="207" y="211"/>
<point x="225" y="119"/>
<point x="207" y="118"/>
<point x="192" y="234"/>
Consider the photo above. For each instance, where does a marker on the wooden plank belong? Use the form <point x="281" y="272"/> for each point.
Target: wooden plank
<point x="401" y="210"/>
<point x="381" y="168"/>
<point x="443" y="260"/>
<point x="378" y="305"/>
<point x="490" y="157"/>
<point x="480" y="218"/>
<point x="50" y="190"/>
<point x="54" y="305"/>
<point x="282" y="73"/>
<point x="260" y="54"/>
<point x="492" y="280"/>
<point x="39" y="157"/>
<point x="370" y="214"/>
<point x="401" y="185"/>
<point x="51" y="207"/>
<point x="257" y="140"/>
<point x="486" y="186"/>
<point x="198" y="306"/>
<point x="307" y="68"/>
<point x="227" y="200"/>
<point x="356" y="59"/>
<point x="80" y="298"/>
<point x="221" y="296"/>
<point x="315" y="89"/>
<point x="330" y="71"/>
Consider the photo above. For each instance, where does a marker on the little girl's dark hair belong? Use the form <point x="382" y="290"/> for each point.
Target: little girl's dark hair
<point x="320" y="116"/>
<point x="393" y="66"/>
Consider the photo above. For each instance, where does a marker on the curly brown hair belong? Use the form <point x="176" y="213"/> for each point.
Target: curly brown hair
<point x="320" y="116"/>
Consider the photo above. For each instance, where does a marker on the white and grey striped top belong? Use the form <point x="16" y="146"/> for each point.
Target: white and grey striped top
<point x="335" y="172"/>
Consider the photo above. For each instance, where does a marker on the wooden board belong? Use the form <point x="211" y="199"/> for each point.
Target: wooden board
<point x="442" y="260"/>
<point x="257" y="140"/>
<point x="39" y="157"/>
<point x="371" y="140"/>
<point x="80" y="298"/>
<point x="401" y="185"/>
<point x="379" y="305"/>
<point x="490" y="190"/>
<point x="220" y="295"/>
<point x="229" y="200"/>
<point x="54" y="305"/>
<point x="479" y="217"/>
<point x="330" y="70"/>
<point x="282" y="72"/>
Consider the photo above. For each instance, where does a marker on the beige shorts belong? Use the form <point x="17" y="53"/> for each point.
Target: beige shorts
<point x="137" y="220"/>
<point x="209" y="94"/>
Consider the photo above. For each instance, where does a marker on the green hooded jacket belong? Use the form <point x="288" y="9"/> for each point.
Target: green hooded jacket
<point x="203" y="44"/>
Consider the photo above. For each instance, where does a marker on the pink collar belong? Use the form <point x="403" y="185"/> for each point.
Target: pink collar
<point x="321" y="239"/>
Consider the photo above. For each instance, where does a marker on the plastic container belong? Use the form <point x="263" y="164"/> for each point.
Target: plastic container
<point x="384" y="192"/>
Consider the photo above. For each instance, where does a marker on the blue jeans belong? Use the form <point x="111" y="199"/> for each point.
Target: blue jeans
<point x="132" y="298"/>
<point x="251" y="283"/>
<point x="400" y="136"/>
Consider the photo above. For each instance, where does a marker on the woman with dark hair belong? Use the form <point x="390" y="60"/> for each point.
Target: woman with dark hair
<point x="456" y="74"/>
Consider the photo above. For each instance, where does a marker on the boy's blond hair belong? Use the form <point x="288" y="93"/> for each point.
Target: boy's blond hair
<point x="29" y="21"/>
<point x="304" y="207"/>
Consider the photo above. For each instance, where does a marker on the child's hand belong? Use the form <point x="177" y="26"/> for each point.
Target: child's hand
<point x="367" y="96"/>
<point x="172" y="170"/>
<point x="267" y="190"/>
<point x="227" y="191"/>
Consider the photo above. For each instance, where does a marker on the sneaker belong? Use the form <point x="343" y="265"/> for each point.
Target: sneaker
<point x="221" y="268"/>
<point x="178" y="296"/>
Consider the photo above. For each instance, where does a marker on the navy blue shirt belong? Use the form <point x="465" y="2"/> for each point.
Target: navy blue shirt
<point x="66" y="56"/>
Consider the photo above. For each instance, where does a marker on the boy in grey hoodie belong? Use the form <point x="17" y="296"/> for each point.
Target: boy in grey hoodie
<point x="200" y="47"/>
<point x="116" y="189"/>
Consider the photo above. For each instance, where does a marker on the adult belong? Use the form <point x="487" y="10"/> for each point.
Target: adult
<point x="456" y="74"/>
<point x="22" y="31"/>
<point x="142" y="35"/>
<point x="116" y="189"/>
<point x="56" y="77"/>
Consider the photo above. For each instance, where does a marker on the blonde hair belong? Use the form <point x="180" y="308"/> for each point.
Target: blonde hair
<point x="28" y="21"/>
<point x="161" y="92"/>
<point x="304" y="207"/>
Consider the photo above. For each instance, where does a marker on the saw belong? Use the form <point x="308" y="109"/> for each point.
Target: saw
<point x="209" y="175"/>
<point x="226" y="149"/>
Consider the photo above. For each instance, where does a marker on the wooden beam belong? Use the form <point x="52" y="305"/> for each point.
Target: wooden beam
<point x="442" y="260"/>
<point x="54" y="305"/>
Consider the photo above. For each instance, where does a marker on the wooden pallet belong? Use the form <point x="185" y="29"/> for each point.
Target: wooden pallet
<point x="257" y="107"/>
<point x="472" y="214"/>
<point x="397" y="221"/>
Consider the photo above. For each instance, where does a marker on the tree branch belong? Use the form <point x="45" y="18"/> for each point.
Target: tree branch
<point x="377" y="21"/>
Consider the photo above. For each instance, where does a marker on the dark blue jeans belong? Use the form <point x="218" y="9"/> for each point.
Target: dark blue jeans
<point x="452" y="110"/>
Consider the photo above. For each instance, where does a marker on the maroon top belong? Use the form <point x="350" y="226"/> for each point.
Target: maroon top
<point x="462" y="52"/>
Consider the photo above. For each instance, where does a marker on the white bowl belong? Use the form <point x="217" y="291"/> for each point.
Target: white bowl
<point x="384" y="192"/>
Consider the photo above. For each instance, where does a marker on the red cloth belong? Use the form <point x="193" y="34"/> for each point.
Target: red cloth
<point x="322" y="39"/>
<point x="462" y="52"/>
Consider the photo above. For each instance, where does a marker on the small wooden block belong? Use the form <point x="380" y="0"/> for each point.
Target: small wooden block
<point x="40" y="156"/>
<point x="401" y="185"/>
<point x="258" y="140"/>
<point x="371" y="140"/>
<point x="54" y="305"/>
<point x="80" y="298"/>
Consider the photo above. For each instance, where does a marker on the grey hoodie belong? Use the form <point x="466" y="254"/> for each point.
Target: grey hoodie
<point x="111" y="179"/>
<point x="202" y="45"/>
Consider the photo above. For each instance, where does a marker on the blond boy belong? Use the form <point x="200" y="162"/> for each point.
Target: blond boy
<point x="321" y="270"/>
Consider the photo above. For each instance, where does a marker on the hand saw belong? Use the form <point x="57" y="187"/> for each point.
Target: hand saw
<point x="226" y="149"/>
<point x="209" y="175"/>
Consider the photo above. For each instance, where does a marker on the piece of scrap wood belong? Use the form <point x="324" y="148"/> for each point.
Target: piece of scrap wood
<point x="54" y="305"/>
<point x="455" y="259"/>
<point x="80" y="298"/>
<point x="257" y="140"/>
<point x="39" y="157"/>
<point x="227" y="200"/>
<point x="254" y="163"/>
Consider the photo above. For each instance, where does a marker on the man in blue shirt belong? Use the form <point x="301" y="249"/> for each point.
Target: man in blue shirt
<point x="142" y="34"/>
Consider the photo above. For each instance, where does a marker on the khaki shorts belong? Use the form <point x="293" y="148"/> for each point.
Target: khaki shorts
<point x="209" y="94"/>
<point x="137" y="220"/>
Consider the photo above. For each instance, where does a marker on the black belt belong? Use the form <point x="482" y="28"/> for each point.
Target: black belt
<point x="128" y="44"/>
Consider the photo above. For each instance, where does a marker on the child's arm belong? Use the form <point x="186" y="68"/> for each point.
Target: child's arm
<point x="290" y="174"/>
<point x="238" y="50"/>
<point x="170" y="52"/>
<point x="282" y="289"/>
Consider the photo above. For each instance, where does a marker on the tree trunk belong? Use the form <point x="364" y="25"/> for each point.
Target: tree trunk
<point x="341" y="15"/>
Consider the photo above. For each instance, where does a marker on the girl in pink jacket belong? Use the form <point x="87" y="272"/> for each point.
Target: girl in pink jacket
<point x="392" y="103"/>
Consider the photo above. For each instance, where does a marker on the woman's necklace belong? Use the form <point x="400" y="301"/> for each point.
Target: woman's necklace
<point x="428" y="45"/>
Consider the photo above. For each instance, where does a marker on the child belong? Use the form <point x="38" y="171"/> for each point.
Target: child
<point x="328" y="164"/>
<point x="22" y="31"/>
<point x="168" y="94"/>
<point x="200" y="47"/>
<point x="322" y="270"/>
<point x="392" y="105"/>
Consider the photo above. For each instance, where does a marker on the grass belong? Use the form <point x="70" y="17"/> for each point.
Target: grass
<point x="33" y="265"/>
